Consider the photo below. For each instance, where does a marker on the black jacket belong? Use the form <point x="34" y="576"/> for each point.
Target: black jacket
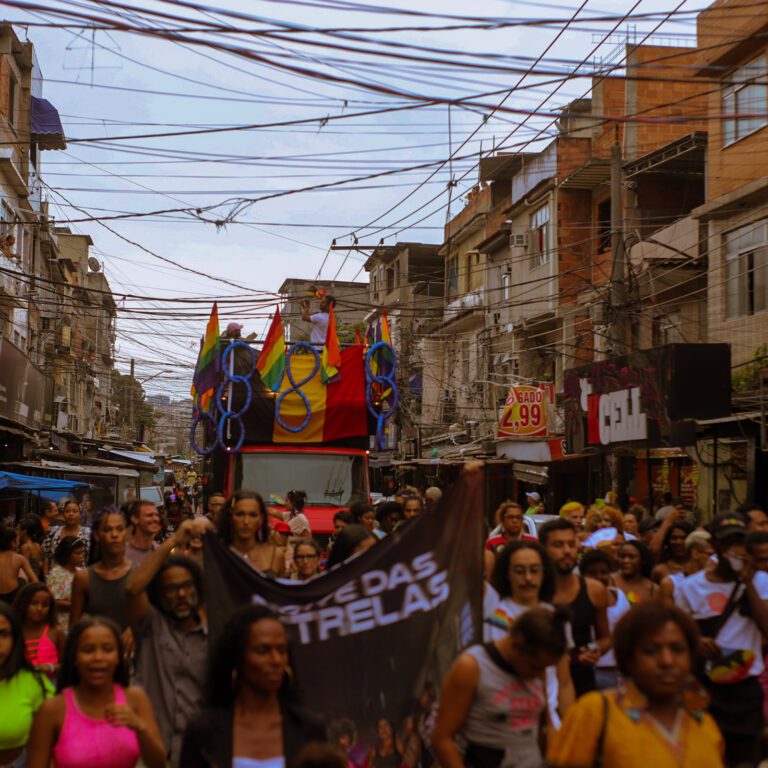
<point x="208" y="737"/>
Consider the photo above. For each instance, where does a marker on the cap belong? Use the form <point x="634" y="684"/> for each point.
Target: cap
<point x="282" y="527"/>
<point x="601" y="537"/>
<point x="727" y="524"/>
<point x="234" y="327"/>
<point x="533" y="495"/>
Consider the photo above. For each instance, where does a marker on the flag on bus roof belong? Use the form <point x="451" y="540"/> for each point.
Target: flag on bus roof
<point x="206" y="375"/>
<point x="271" y="362"/>
<point x="386" y="337"/>
<point x="331" y="357"/>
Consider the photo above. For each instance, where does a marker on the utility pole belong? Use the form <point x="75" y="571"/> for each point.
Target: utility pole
<point x="618" y="332"/>
<point x="131" y="395"/>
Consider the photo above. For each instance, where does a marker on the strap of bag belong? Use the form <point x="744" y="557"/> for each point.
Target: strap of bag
<point x="730" y="607"/>
<point x="498" y="659"/>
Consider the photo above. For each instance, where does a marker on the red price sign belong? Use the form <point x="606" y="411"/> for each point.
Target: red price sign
<point x="525" y="412"/>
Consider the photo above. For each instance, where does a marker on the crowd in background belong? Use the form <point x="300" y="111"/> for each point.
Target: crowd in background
<point x="609" y="637"/>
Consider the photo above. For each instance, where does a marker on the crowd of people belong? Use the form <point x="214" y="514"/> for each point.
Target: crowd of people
<point x="609" y="638"/>
<point x="666" y="622"/>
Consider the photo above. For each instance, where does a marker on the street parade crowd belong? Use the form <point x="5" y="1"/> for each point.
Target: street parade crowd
<point x="614" y="638"/>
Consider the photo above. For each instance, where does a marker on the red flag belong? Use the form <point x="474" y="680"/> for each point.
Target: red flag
<point x="357" y="335"/>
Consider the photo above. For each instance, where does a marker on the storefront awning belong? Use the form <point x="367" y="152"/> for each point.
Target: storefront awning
<point x="46" y="128"/>
<point x="531" y="473"/>
<point x="13" y="482"/>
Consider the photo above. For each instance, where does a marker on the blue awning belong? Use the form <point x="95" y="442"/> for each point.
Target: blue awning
<point x="46" y="127"/>
<point x="13" y="482"/>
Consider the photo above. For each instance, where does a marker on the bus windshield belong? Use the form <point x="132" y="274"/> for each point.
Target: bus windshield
<point x="329" y="479"/>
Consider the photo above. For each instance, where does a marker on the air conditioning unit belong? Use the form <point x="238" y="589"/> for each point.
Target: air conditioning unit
<point x="518" y="240"/>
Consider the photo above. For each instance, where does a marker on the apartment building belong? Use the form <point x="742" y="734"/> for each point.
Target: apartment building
<point x="733" y="52"/>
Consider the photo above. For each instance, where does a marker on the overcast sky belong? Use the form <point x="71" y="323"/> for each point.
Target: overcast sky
<point x="109" y="84"/>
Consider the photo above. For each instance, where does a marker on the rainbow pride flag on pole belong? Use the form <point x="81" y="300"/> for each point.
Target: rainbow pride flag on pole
<point x="206" y="375"/>
<point x="330" y="362"/>
<point x="271" y="362"/>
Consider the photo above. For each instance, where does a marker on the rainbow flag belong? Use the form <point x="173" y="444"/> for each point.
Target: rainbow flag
<point x="330" y="362"/>
<point x="386" y="361"/>
<point x="271" y="362"/>
<point x="206" y="375"/>
<point x="385" y="334"/>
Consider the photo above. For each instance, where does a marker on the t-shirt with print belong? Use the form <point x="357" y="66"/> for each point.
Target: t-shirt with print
<point x="499" y="614"/>
<point x="739" y="639"/>
<point x="319" y="328"/>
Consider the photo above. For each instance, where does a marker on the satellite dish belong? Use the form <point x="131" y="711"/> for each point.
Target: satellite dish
<point x="93" y="264"/>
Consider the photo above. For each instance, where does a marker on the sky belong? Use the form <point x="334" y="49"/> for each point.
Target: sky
<point x="111" y="86"/>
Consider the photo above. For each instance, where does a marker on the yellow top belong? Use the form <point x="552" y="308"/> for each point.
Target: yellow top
<point x="633" y="739"/>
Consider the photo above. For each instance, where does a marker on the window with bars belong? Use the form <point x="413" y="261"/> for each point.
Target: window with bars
<point x="745" y="253"/>
<point x="745" y="100"/>
<point x="538" y="241"/>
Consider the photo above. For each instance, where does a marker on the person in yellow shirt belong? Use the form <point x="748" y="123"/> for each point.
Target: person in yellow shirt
<point x="657" y="717"/>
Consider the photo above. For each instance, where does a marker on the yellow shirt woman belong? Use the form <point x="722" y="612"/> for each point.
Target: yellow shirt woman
<point x="634" y="739"/>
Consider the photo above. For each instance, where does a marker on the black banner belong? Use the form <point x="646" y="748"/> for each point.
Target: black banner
<point x="372" y="638"/>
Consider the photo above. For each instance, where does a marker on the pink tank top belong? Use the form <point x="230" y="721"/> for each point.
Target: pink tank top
<point x="42" y="650"/>
<point x="85" y="742"/>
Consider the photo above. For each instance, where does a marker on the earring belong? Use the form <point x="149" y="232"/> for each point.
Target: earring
<point x="234" y="678"/>
<point x="289" y="675"/>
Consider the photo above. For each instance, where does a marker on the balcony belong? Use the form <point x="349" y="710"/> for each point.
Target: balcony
<point x="9" y="166"/>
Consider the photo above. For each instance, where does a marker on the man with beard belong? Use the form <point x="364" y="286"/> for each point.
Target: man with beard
<point x="164" y="596"/>
<point x="586" y="599"/>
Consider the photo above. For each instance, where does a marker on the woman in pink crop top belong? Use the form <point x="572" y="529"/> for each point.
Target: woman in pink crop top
<point x="96" y="720"/>
<point x="43" y="640"/>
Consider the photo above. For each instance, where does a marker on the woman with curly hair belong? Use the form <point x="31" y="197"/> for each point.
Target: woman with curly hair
<point x="523" y="578"/>
<point x="244" y="527"/>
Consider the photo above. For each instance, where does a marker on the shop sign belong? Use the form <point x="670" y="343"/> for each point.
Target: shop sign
<point x="525" y="411"/>
<point x="614" y="417"/>
<point x="645" y="396"/>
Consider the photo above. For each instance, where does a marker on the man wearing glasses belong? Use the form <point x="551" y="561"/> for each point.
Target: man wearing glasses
<point x="165" y="593"/>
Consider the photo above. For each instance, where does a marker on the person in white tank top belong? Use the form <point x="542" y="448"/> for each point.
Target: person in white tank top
<point x="522" y="579"/>
<point x="493" y="701"/>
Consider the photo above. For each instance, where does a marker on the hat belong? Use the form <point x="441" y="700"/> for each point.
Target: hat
<point x="601" y="537"/>
<point x="533" y="495"/>
<point x="234" y="327"/>
<point x="282" y="527"/>
<point x="725" y="525"/>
